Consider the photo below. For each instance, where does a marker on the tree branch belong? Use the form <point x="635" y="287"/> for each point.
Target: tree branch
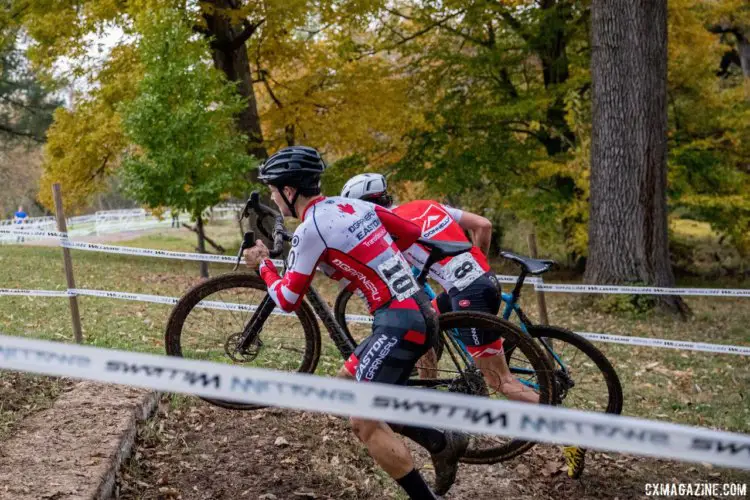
<point x="101" y="168"/>
<point x="263" y="73"/>
<point x="245" y="34"/>
<point x="478" y="41"/>
<point x="512" y="22"/>
<point x="484" y="43"/>
<point x="414" y="35"/>
<point x="19" y="133"/>
<point x="20" y="104"/>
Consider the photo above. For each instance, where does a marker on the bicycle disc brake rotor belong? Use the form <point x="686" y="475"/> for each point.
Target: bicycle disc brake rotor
<point x="471" y="382"/>
<point x="563" y="383"/>
<point x="231" y="347"/>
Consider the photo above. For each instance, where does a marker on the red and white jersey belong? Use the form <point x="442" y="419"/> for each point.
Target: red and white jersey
<point x="440" y="222"/>
<point x="350" y="240"/>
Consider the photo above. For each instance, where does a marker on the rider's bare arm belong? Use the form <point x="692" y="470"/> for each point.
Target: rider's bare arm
<point x="479" y="228"/>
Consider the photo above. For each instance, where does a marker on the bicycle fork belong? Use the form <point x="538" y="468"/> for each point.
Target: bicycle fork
<point x="253" y="327"/>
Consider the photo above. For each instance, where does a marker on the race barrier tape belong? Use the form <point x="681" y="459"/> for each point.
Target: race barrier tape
<point x="642" y="290"/>
<point x="379" y="402"/>
<point x="537" y="282"/>
<point x="669" y="344"/>
<point x="31" y="232"/>
<point x="151" y="252"/>
<point x="360" y="318"/>
<point x="35" y="293"/>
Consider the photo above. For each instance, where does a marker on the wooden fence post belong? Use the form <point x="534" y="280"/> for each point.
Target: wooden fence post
<point x="540" y="300"/>
<point x="67" y="263"/>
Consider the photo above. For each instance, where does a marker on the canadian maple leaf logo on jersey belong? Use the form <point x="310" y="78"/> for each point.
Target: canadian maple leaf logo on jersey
<point x="431" y="218"/>
<point x="347" y="209"/>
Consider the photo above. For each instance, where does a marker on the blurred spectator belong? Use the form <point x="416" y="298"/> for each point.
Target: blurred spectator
<point x="19" y="218"/>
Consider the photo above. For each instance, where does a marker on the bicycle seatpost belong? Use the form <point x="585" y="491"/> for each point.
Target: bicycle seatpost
<point x="422" y="278"/>
<point x="519" y="283"/>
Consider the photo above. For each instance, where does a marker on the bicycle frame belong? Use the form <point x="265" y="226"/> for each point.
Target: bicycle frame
<point x="340" y="339"/>
<point x="511" y="306"/>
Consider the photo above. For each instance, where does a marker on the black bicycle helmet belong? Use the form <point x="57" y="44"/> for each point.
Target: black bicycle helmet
<point x="299" y="167"/>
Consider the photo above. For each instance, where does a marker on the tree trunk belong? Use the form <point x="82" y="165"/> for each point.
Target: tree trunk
<point x="201" y="245"/>
<point x="289" y="134"/>
<point x="628" y="239"/>
<point x="230" y="57"/>
<point x="550" y="44"/>
<point x="743" y="48"/>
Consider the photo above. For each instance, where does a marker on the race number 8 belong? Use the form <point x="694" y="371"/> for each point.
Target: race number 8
<point x="464" y="270"/>
<point x="397" y="275"/>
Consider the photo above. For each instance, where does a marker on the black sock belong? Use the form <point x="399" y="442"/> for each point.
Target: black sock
<point x="430" y="439"/>
<point x="414" y="486"/>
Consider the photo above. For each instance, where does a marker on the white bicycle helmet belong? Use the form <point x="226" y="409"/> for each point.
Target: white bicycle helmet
<point x="368" y="187"/>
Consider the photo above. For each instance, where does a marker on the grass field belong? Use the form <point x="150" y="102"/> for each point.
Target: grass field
<point x="680" y="386"/>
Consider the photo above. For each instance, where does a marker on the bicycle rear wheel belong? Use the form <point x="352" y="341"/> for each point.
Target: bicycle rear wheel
<point x="358" y="331"/>
<point x="208" y="321"/>
<point x="465" y="378"/>
<point x="456" y="373"/>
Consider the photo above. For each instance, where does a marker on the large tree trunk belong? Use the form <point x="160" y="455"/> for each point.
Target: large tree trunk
<point x="628" y="239"/>
<point x="229" y="49"/>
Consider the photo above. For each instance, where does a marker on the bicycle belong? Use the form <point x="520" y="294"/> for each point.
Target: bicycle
<point x="292" y="341"/>
<point x="555" y="341"/>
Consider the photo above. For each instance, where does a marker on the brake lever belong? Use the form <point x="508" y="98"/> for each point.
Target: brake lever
<point x="248" y="241"/>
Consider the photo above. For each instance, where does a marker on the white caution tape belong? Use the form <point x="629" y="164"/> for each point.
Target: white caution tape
<point x="529" y="280"/>
<point x="149" y="252"/>
<point x="538" y="282"/>
<point x="161" y="299"/>
<point x="365" y="319"/>
<point x="670" y="344"/>
<point x="24" y="232"/>
<point x="541" y="286"/>
<point x="642" y="290"/>
<point x="140" y="297"/>
<point x="381" y="402"/>
<point x="32" y="293"/>
<point x="152" y="252"/>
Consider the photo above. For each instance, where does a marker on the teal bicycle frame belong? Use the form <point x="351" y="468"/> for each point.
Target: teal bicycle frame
<point x="511" y="306"/>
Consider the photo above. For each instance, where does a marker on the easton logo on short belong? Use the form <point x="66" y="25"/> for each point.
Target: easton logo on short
<point x="347" y="209"/>
<point x="464" y="303"/>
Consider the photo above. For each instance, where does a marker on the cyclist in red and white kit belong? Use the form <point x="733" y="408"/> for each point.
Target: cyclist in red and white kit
<point x="469" y="285"/>
<point x="360" y="243"/>
<point x="467" y="279"/>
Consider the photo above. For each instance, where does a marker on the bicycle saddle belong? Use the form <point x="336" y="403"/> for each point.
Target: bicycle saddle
<point x="443" y="249"/>
<point x="531" y="266"/>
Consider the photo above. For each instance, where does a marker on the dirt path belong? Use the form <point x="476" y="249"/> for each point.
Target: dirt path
<point x="192" y="450"/>
<point x="71" y="450"/>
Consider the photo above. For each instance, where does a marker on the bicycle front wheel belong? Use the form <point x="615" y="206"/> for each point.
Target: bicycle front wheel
<point x="208" y="322"/>
<point x="533" y="378"/>
<point x="584" y="377"/>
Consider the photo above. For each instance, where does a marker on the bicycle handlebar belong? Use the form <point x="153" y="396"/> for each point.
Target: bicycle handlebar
<point x="280" y="234"/>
